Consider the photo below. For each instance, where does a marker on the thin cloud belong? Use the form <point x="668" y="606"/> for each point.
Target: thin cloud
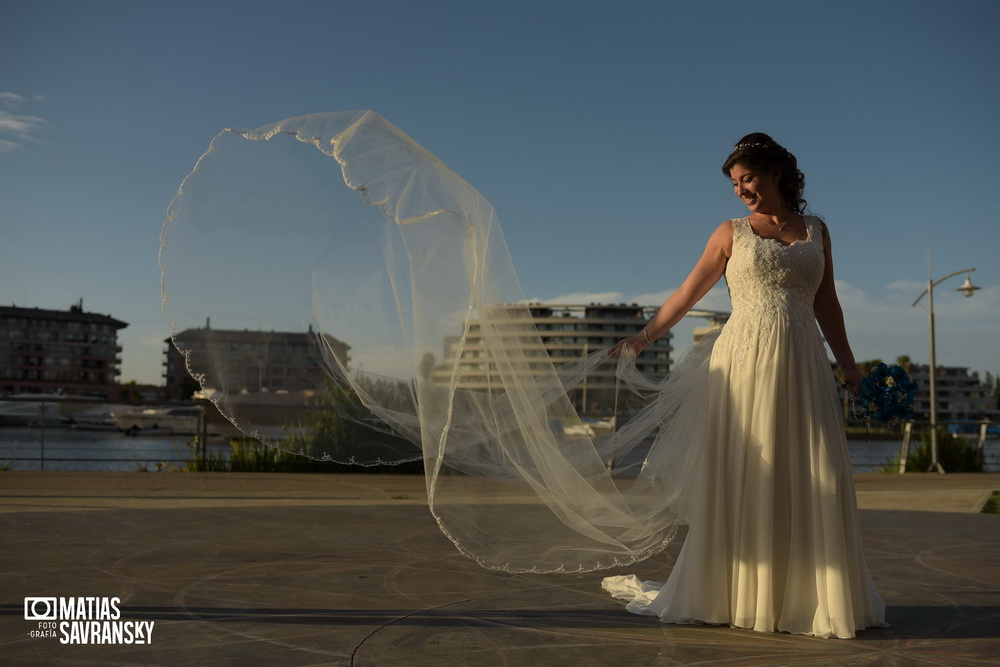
<point x="576" y="298"/>
<point x="17" y="129"/>
<point x="9" y="99"/>
<point x="20" y="125"/>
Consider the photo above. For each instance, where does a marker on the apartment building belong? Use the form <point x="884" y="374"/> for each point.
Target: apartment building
<point x="71" y="352"/>
<point x="246" y="361"/>
<point x="563" y="333"/>
<point x="960" y="396"/>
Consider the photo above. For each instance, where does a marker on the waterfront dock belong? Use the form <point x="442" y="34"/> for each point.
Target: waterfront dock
<point x="276" y="569"/>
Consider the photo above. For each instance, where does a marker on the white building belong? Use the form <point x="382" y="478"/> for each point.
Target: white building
<point x="565" y="333"/>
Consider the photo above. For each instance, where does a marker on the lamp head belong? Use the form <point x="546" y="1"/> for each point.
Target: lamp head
<point x="967" y="287"/>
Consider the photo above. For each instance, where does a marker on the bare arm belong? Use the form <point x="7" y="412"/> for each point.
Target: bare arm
<point x="702" y="278"/>
<point x="830" y="317"/>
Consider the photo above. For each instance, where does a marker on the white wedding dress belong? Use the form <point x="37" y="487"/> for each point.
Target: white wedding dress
<point x="773" y="541"/>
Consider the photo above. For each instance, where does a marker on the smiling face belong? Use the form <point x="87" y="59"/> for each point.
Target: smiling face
<point x="758" y="190"/>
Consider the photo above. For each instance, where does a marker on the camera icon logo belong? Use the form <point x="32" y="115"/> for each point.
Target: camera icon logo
<point x="41" y="609"/>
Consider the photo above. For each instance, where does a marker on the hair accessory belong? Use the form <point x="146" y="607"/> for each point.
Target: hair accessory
<point x="740" y="147"/>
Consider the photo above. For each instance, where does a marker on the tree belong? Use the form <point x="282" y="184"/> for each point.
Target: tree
<point x="992" y="385"/>
<point x="867" y="367"/>
<point x="338" y="426"/>
<point x="427" y="366"/>
<point x="905" y="362"/>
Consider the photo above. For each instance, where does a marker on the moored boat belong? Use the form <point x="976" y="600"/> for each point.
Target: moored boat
<point x="175" y="420"/>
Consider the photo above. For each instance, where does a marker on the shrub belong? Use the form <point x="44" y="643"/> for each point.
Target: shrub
<point x="955" y="454"/>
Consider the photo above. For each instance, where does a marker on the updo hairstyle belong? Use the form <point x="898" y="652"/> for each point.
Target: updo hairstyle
<point x="759" y="152"/>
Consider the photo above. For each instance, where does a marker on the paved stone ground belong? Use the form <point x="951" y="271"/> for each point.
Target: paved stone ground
<point x="351" y="570"/>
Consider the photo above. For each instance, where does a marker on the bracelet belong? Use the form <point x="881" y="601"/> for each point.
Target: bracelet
<point x="645" y="334"/>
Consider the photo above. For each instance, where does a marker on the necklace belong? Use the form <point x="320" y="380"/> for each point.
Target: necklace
<point x="780" y="225"/>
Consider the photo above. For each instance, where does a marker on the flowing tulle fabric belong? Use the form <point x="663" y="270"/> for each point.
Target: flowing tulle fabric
<point x="342" y="225"/>
<point x="774" y="542"/>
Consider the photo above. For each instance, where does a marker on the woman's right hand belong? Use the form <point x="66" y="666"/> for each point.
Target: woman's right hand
<point x="637" y="343"/>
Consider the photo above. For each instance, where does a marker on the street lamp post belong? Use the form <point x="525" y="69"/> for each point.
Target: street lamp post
<point x="967" y="289"/>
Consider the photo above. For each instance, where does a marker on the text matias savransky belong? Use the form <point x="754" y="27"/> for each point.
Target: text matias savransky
<point x="85" y="620"/>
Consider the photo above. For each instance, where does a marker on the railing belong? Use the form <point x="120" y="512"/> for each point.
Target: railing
<point x="201" y="434"/>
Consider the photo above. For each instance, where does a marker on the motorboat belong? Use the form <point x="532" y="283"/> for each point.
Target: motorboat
<point x="590" y="427"/>
<point x="184" y="420"/>
<point x="33" y="409"/>
<point x="97" y="418"/>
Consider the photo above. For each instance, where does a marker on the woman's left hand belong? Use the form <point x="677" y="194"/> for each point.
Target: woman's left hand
<point x="853" y="378"/>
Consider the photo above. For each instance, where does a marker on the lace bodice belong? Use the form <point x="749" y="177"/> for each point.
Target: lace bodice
<point x="771" y="283"/>
<point x="766" y="273"/>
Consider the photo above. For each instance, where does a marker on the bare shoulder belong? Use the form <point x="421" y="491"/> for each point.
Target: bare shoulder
<point x="722" y="238"/>
<point x="725" y="230"/>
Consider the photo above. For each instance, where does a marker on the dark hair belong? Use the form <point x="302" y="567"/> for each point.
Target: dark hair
<point x="759" y="152"/>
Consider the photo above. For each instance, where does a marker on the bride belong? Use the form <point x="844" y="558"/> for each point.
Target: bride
<point x="773" y="541"/>
<point x="342" y="225"/>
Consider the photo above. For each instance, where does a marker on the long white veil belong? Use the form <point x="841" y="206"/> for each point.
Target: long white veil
<point x="392" y="268"/>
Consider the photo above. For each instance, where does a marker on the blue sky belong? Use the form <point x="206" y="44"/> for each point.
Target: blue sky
<point x="596" y="129"/>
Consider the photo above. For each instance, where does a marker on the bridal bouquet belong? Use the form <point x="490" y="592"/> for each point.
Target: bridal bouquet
<point x="887" y="394"/>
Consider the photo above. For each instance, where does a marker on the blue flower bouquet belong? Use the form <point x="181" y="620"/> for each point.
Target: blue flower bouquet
<point x="887" y="394"/>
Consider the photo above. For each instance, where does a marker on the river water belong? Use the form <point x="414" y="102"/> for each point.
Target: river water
<point x="62" y="448"/>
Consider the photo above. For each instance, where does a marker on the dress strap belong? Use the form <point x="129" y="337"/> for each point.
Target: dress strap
<point x="814" y="228"/>
<point x="741" y="226"/>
